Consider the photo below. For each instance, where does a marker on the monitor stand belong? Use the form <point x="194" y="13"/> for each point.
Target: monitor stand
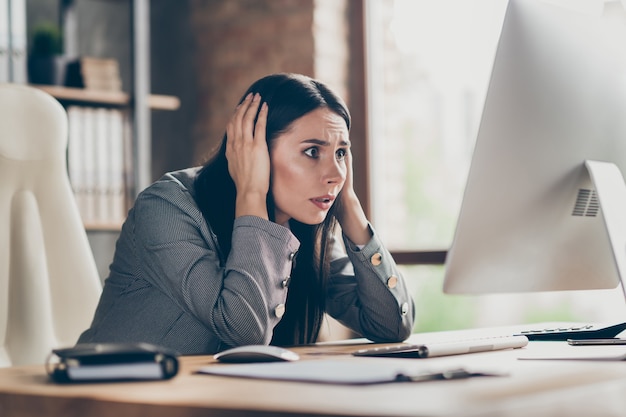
<point x="611" y="191"/>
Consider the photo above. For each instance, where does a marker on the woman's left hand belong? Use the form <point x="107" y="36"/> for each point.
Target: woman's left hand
<point x="350" y="213"/>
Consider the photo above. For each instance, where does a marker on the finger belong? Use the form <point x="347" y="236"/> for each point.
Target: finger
<point x="241" y="110"/>
<point x="247" y="124"/>
<point x="349" y="172"/>
<point x="233" y="128"/>
<point x="241" y="103"/>
<point x="261" y="124"/>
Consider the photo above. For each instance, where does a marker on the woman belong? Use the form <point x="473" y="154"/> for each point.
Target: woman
<point x="244" y="250"/>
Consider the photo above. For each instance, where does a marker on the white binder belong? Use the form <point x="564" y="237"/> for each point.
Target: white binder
<point x="17" y="54"/>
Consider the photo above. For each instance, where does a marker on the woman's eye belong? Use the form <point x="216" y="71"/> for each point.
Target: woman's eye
<point x="341" y="154"/>
<point x="312" y="152"/>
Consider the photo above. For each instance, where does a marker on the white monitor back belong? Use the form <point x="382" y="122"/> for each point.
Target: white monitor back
<point x="530" y="219"/>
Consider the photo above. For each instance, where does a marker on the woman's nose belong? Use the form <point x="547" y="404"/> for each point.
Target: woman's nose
<point x="334" y="172"/>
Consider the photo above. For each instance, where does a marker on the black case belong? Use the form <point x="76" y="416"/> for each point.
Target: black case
<point x="112" y="362"/>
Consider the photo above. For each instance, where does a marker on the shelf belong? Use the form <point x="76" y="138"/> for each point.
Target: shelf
<point x="103" y="227"/>
<point x="113" y="98"/>
<point x="161" y="102"/>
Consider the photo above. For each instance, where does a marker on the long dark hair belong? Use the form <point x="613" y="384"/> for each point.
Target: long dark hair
<point x="289" y="97"/>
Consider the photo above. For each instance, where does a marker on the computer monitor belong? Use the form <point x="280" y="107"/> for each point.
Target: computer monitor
<point x="544" y="207"/>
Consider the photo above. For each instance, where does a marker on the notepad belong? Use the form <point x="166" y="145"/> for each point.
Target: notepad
<point x="341" y="372"/>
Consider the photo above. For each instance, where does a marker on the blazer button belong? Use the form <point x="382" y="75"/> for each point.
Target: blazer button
<point x="285" y="283"/>
<point x="376" y="259"/>
<point x="392" y="281"/>
<point x="292" y="255"/>
<point x="279" y="310"/>
<point x="404" y="309"/>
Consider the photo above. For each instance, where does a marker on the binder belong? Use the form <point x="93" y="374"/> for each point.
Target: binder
<point x="117" y="203"/>
<point x="89" y="165"/>
<point x="4" y="41"/>
<point x="76" y="157"/>
<point x="102" y="160"/>
<point x="102" y="362"/>
<point x="17" y="41"/>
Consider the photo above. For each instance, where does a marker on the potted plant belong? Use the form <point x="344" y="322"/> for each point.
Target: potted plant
<point x="46" y="63"/>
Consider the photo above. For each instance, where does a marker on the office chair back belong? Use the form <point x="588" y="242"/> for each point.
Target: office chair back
<point x="49" y="283"/>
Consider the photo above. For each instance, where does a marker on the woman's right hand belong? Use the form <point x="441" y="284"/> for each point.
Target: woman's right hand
<point x="248" y="157"/>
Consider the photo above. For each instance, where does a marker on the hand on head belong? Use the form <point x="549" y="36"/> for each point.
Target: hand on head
<point x="349" y="212"/>
<point x="248" y="156"/>
<point x="348" y="186"/>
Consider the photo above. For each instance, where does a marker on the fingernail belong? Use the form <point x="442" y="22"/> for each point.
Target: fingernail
<point x="257" y="96"/>
<point x="264" y="106"/>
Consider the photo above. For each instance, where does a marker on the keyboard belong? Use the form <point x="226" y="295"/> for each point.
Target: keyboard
<point x="582" y="331"/>
<point x="445" y="348"/>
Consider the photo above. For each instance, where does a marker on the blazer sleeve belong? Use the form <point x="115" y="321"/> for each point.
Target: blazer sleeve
<point x="177" y="252"/>
<point x="368" y="294"/>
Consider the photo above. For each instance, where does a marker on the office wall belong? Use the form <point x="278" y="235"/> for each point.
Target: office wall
<point x="239" y="41"/>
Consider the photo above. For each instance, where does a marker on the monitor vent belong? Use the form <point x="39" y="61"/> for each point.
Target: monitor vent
<point x="586" y="203"/>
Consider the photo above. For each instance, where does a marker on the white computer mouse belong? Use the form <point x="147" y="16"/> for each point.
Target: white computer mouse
<point x="256" y="353"/>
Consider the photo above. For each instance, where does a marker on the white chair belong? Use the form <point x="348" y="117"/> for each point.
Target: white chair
<point x="49" y="283"/>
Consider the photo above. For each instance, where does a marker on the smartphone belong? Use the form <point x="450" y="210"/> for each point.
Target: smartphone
<point x="591" y="342"/>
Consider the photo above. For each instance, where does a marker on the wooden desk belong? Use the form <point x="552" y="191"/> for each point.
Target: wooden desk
<point x="532" y="388"/>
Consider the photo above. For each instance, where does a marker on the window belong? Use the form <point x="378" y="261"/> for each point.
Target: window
<point x="429" y="63"/>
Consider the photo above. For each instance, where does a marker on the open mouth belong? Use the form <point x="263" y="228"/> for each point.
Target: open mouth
<point x="323" y="202"/>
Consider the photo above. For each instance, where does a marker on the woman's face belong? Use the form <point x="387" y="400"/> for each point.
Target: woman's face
<point x="308" y="167"/>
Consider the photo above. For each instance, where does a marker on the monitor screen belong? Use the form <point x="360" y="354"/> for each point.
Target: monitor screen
<point x="531" y="218"/>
